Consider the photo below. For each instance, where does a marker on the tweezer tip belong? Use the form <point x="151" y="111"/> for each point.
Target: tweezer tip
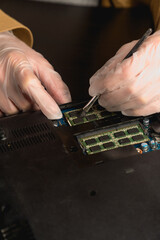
<point x="82" y="113"/>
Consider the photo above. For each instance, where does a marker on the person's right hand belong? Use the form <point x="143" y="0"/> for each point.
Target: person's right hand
<point x="131" y="86"/>
<point x="27" y="79"/>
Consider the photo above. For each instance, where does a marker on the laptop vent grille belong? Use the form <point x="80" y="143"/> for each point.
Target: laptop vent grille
<point x="17" y="231"/>
<point x="28" y="141"/>
<point x="30" y="130"/>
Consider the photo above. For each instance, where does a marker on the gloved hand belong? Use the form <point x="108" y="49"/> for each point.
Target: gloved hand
<point x="27" y="79"/>
<point x="131" y="86"/>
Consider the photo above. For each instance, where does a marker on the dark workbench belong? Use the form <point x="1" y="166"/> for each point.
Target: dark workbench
<point x="60" y="200"/>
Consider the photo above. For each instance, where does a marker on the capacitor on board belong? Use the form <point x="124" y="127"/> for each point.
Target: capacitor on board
<point x="153" y="144"/>
<point x="145" y="147"/>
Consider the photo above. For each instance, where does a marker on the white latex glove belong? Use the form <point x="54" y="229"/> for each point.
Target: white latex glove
<point x="131" y="86"/>
<point x="27" y="80"/>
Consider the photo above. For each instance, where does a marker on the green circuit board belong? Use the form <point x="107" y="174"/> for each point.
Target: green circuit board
<point x="107" y="139"/>
<point x="74" y="118"/>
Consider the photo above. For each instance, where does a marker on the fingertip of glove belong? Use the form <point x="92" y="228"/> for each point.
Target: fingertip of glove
<point x="92" y="91"/>
<point x="57" y="115"/>
<point x="124" y="113"/>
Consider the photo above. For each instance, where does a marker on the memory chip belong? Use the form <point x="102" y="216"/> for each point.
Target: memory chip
<point x="90" y="141"/>
<point x="124" y="141"/>
<point x="108" y="145"/>
<point x="133" y="131"/>
<point x="95" y="148"/>
<point x="138" y="137"/>
<point x="91" y="117"/>
<point x="119" y="134"/>
<point x="78" y="120"/>
<point x="74" y="114"/>
<point x="104" y="138"/>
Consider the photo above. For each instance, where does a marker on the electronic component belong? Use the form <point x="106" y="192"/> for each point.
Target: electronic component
<point x="146" y="122"/>
<point x="153" y="144"/>
<point x="73" y="117"/>
<point x="111" y="138"/>
<point x="119" y="134"/>
<point x="124" y="141"/>
<point x="96" y="132"/>
<point x="138" y="138"/>
<point x="157" y="139"/>
<point x="90" y="141"/>
<point x="144" y="146"/>
<point x="132" y="130"/>
<point x="108" y="145"/>
<point x="104" y="138"/>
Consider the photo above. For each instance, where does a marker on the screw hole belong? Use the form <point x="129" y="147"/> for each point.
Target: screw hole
<point x="93" y="193"/>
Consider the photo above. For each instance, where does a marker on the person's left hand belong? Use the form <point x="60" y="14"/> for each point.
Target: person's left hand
<point x="27" y="80"/>
<point x="131" y="86"/>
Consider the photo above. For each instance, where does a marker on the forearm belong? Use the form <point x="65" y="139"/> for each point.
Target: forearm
<point x="7" y="23"/>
